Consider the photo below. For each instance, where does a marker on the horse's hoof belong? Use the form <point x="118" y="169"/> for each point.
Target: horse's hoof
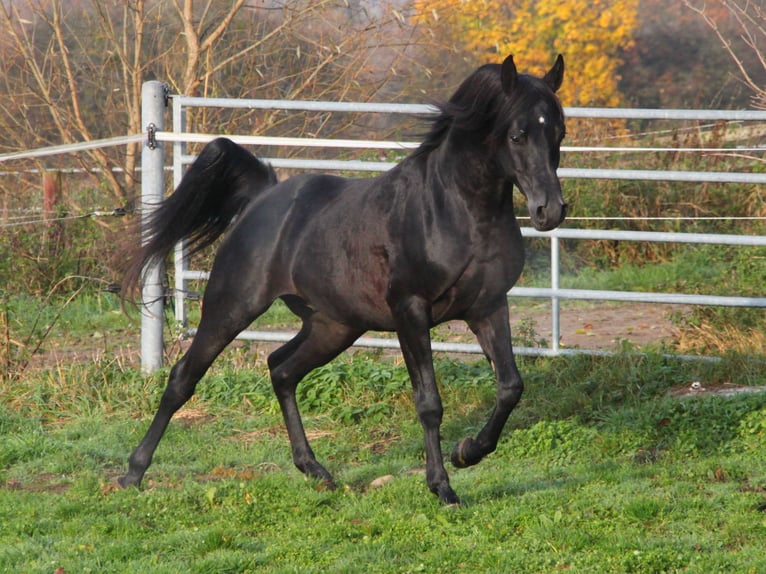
<point x="328" y="483"/>
<point x="316" y="472"/>
<point x="126" y="482"/>
<point x="323" y="485"/>
<point x="447" y="496"/>
<point x="465" y="453"/>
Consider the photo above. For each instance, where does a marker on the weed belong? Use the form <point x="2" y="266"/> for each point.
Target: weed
<point x="525" y="334"/>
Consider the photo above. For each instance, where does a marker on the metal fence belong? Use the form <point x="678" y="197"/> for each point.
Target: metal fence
<point x="153" y="192"/>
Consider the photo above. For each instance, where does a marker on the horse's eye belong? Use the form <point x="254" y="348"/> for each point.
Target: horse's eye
<point x="517" y="138"/>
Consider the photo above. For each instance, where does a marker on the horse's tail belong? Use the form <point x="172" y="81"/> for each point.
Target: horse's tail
<point x="223" y="179"/>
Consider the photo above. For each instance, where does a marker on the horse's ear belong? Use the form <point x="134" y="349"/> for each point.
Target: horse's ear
<point x="508" y="75"/>
<point x="555" y="75"/>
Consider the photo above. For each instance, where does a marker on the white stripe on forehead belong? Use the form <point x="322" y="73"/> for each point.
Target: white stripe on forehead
<point x="541" y="119"/>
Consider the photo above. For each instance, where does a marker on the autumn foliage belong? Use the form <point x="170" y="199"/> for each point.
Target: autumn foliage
<point x="591" y="34"/>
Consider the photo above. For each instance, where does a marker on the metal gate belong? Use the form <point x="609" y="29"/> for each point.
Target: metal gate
<point x="153" y="163"/>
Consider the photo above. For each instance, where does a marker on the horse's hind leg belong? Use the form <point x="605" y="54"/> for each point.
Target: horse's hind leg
<point x="494" y="335"/>
<point x="318" y="342"/>
<point x="211" y="338"/>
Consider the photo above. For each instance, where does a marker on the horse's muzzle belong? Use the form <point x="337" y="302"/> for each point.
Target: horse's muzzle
<point x="549" y="216"/>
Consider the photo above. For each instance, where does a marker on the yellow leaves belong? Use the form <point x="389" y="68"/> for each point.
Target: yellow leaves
<point x="590" y="33"/>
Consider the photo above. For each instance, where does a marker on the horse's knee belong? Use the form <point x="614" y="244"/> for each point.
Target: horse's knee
<point x="509" y="391"/>
<point x="429" y="409"/>
<point x="279" y="375"/>
<point x="283" y="381"/>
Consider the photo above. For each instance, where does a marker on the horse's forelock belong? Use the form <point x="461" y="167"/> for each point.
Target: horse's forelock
<point x="481" y="106"/>
<point x="529" y="91"/>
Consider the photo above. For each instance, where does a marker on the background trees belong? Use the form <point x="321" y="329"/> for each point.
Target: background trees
<point x="592" y="34"/>
<point x="740" y="27"/>
<point x="679" y="55"/>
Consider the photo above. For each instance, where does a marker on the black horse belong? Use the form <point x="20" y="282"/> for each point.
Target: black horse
<point x="433" y="239"/>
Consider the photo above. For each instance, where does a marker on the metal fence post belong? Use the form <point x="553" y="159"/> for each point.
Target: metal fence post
<point x="181" y="287"/>
<point x="555" y="302"/>
<point x="153" y="102"/>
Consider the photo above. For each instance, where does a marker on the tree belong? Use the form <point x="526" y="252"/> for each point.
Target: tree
<point x="73" y="70"/>
<point x="675" y="63"/>
<point x="590" y="33"/>
<point x="740" y="26"/>
<point x="76" y="76"/>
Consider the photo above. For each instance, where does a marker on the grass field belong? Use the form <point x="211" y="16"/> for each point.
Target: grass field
<point x="601" y="469"/>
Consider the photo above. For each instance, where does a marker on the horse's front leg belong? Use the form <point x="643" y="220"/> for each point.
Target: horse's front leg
<point x="494" y="335"/>
<point x="413" y="321"/>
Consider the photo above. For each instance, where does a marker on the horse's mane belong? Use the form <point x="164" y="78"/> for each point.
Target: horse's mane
<point x="480" y="106"/>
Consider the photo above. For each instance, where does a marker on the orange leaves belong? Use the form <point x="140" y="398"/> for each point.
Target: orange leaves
<point x="590" y="33"/>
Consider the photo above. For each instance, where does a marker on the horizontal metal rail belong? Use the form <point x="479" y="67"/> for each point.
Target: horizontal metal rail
<point x="663" y="175"/>
<point x="649" y="236"/>
<point x="305" y="142"/>
<point x="416" y="109"/>
<point x="638" y="297"/>
<point x="439" y="346"/>
<point x="381" y="166"/>
<point x="565" y="173"/>
<point x="393" y="344"/>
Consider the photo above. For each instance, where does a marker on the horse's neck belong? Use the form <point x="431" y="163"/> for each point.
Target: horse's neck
<point x="469" y="176"/>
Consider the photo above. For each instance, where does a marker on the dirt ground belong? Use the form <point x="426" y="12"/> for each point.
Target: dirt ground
<point x="603" y="326"/>
<point x="594" y="326"/>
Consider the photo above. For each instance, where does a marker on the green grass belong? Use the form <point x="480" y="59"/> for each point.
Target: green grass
<point x="599" y="471"/>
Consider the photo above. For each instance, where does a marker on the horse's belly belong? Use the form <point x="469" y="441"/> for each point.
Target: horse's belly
<point x="350" y="300"/>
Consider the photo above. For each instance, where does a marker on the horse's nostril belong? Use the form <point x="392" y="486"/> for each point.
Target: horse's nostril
<point x="564" y="211"/>
<point x="540" y="213"/>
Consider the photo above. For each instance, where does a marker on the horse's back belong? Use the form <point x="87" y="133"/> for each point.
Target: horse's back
<point x="307" y="222"/>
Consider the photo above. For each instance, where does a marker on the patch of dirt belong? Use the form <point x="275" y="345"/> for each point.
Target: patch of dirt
<point x="189" y="416"/>
<point x="603" y="326"/>
<point x="596" y="326"/>
<point x="43" y="483"/>
<point x="127" y="352"/>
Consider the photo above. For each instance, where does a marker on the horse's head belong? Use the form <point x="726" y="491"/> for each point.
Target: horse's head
<point x="529" y="152"/>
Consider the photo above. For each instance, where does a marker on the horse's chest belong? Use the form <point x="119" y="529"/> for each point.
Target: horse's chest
<point x="480" y="285"/>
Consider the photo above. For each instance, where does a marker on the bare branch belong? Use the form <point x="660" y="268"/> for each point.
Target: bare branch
<point x="751" y="21"/>
<point x="66" y="85"/>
